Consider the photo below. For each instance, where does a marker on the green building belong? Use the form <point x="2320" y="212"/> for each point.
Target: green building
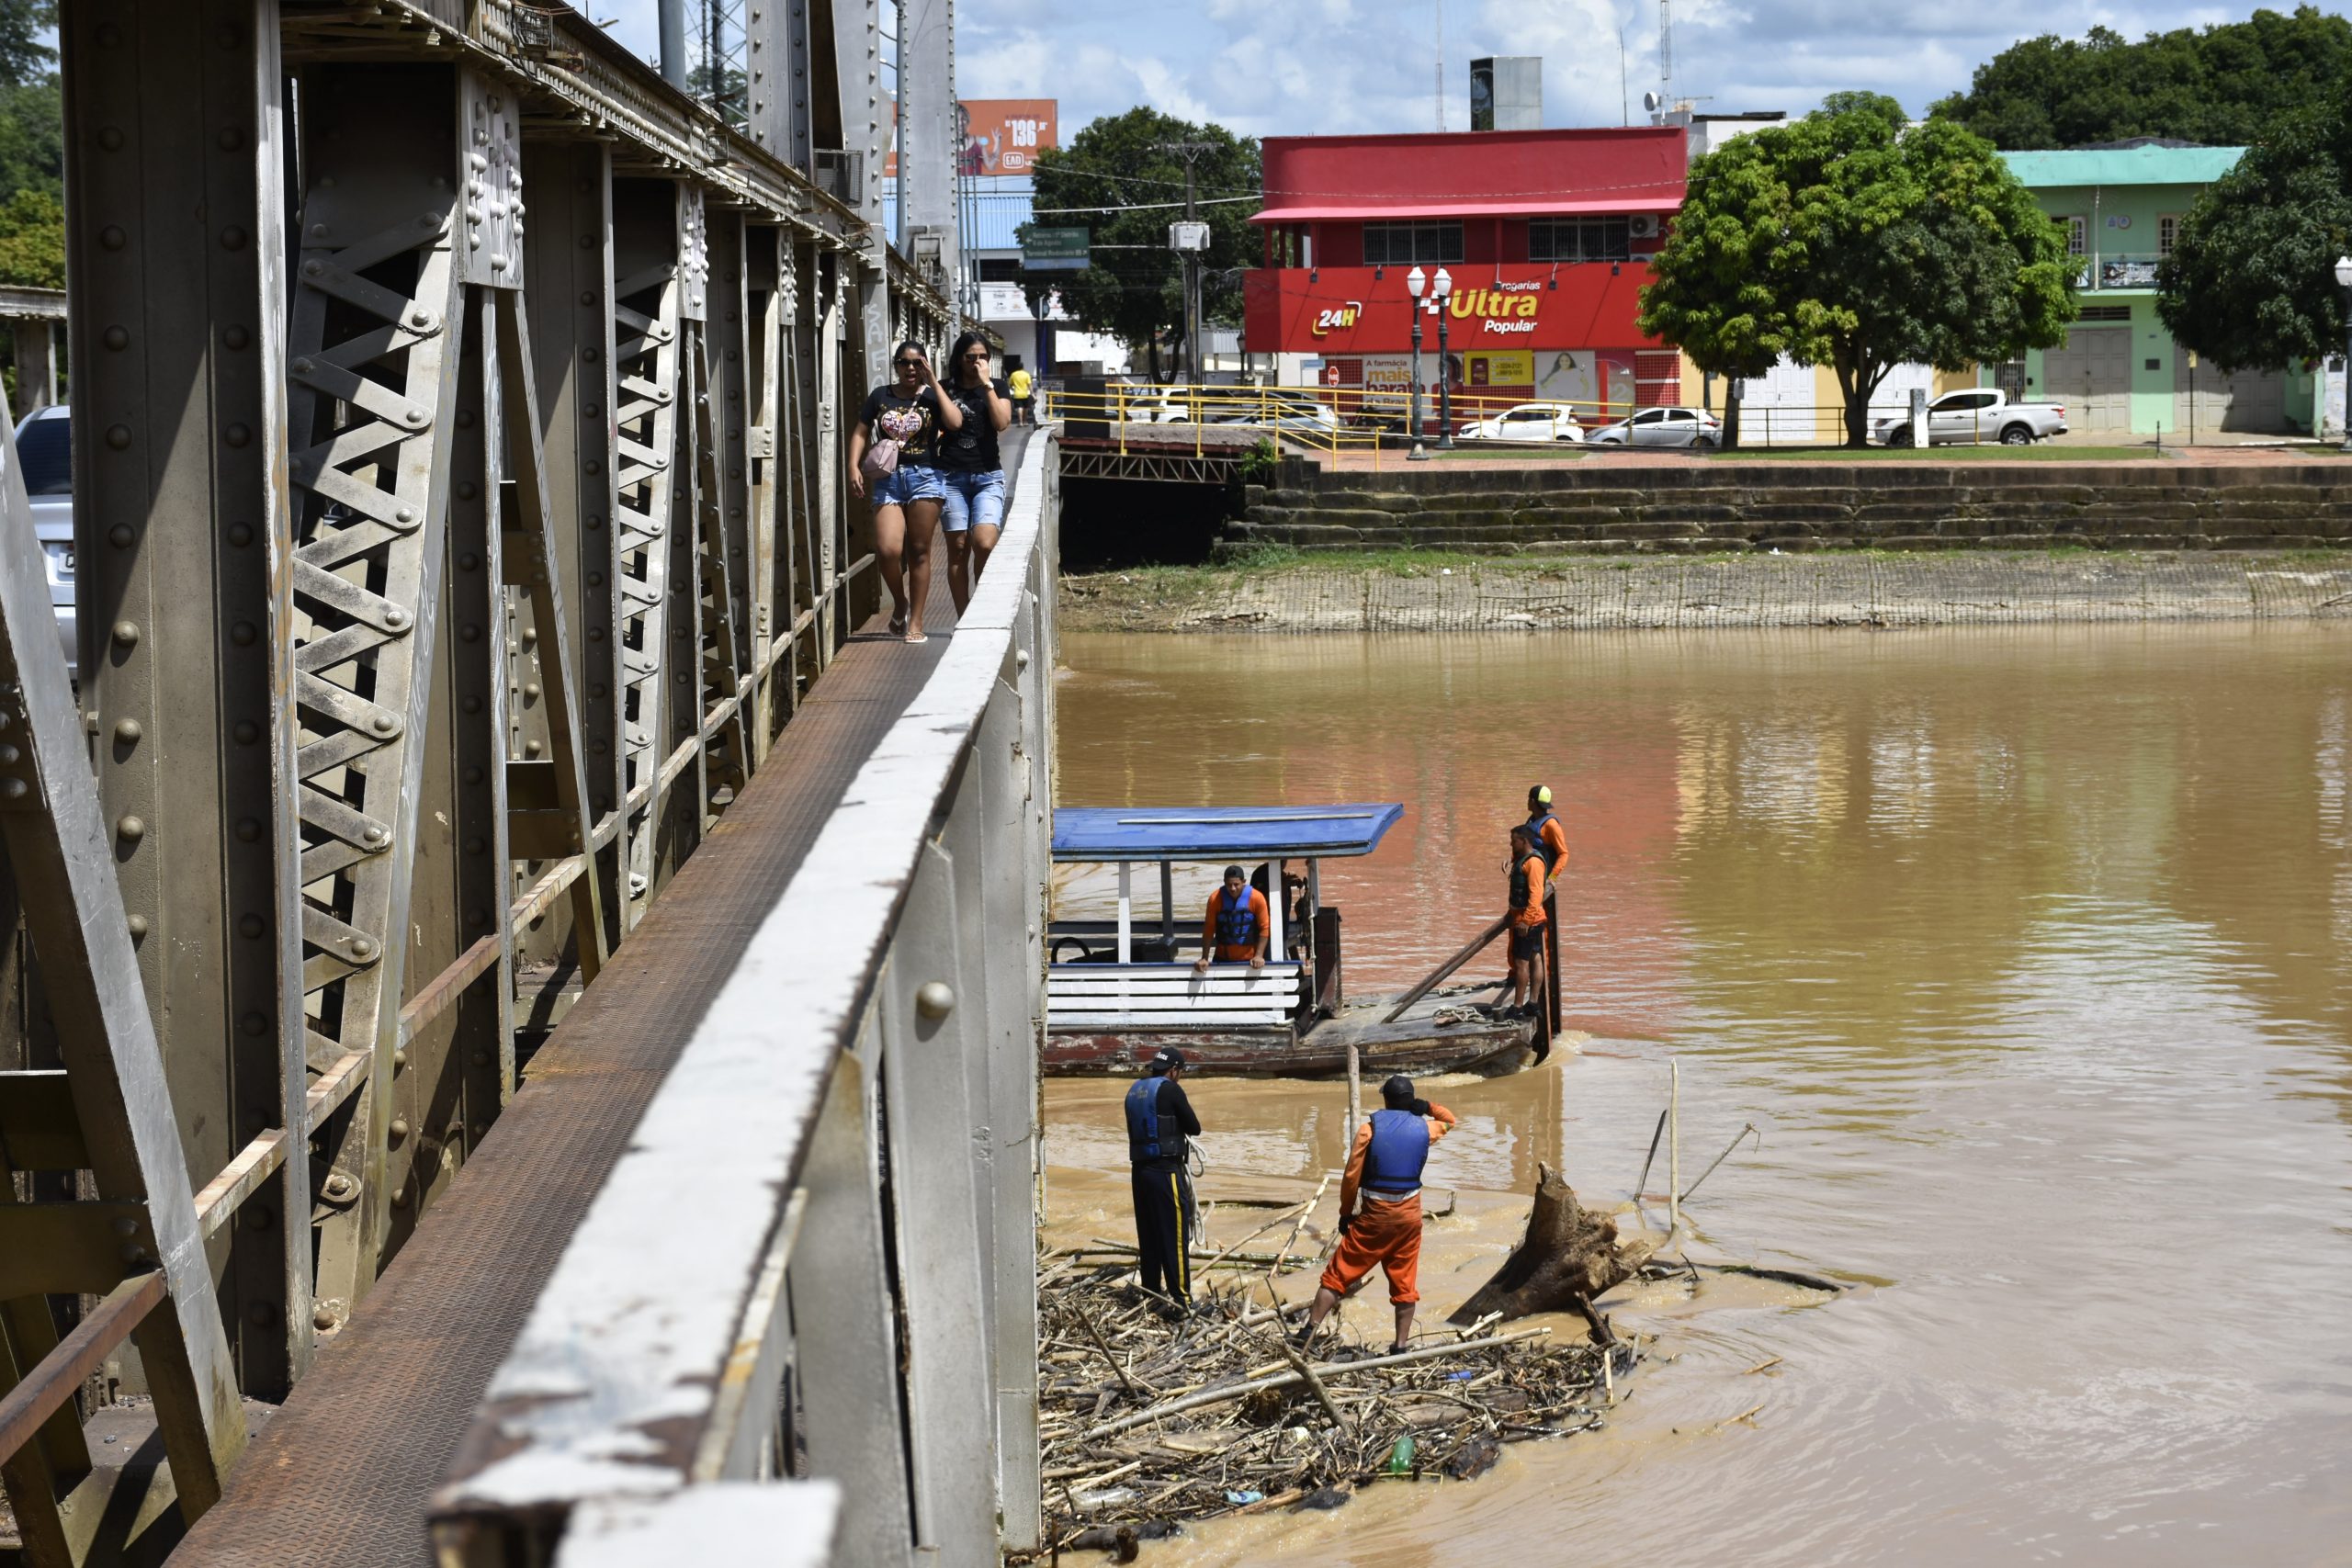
<point x="2120" y="370"/>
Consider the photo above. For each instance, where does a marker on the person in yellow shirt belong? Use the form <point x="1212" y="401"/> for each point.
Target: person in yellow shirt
<point x="1384" y="1170"/>
<point x="1023" y="389"/>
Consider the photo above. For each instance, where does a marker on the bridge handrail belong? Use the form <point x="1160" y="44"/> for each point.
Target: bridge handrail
<point x="628" y="1380"/>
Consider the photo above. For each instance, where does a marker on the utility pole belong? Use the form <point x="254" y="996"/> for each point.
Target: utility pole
<point x="1189" y="240"/>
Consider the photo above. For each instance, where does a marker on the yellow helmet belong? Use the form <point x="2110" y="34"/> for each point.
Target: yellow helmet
<point x="1543" y="794"/>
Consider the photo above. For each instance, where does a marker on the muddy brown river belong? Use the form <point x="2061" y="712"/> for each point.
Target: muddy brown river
<point x="2025" y="952"/>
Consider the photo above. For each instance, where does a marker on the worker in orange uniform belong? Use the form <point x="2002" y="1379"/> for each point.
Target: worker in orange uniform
<point x="1239" y="925"/>
<point x="1528" y="920"/>
<point x="1551" y="839"/>
<point x="1385" y="1172"/>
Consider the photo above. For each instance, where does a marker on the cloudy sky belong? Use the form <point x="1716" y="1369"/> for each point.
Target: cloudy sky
<point x="1271" y="67"/>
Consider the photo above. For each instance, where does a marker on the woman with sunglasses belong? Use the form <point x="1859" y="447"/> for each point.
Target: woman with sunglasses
<point x="970" y="466"/>
<point x="895" y="452"/>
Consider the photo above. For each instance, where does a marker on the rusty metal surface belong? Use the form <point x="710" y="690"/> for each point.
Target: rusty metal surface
<point x="342" y="1476"/>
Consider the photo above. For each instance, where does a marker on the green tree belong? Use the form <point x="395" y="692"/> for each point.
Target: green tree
<point x="2251" y="280"/>
<point x="23" y="56"/>
<point x="2222" y="85"/>
<point x="1120" y="179"/>
<point x="1848" y="241"/>
<point x="32" y="241"/>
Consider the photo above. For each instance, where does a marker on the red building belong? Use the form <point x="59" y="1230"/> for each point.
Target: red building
<point x="1546" y="234"/>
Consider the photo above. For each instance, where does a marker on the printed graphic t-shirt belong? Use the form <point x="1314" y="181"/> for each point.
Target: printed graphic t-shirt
<point x="913" y="423"/>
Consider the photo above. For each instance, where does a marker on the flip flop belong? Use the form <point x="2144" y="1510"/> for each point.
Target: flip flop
<point x="914" y="636"/>
<point x="897" y="625"/>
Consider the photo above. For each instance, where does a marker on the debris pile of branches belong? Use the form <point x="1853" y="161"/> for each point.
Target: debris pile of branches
<point x="1150" y="1419"/>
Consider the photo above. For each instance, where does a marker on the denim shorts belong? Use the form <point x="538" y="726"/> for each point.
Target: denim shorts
<point x="908" y="482"/>
<point x="973" y="498"/>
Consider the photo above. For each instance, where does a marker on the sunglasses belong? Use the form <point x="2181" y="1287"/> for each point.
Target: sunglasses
<point x="909" y="363"/>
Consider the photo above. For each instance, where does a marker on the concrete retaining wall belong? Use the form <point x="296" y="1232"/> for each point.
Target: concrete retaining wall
<point x="1599" y="507"/>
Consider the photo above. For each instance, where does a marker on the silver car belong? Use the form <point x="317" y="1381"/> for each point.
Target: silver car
<point x="45" y="452"/>
<point x="1662" y="427"/>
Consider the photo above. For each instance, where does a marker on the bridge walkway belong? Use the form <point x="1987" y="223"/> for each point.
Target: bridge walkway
<point x="341" y="1477"/>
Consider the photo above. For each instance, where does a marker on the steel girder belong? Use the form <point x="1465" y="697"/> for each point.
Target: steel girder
<point x="431" y="532"/>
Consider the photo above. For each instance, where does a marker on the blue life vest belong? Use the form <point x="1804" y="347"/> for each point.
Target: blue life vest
<point x="1542" y="846"/>
<point x="1237" y="925"/>
<point x="1401" y="1147"/>
<point x="1145" y="1139"/>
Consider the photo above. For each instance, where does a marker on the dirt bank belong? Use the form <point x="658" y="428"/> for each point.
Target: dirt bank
<point x="1280" y="592"/>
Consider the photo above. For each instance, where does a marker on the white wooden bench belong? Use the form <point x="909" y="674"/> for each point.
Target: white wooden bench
<point x="1169" y="996"/>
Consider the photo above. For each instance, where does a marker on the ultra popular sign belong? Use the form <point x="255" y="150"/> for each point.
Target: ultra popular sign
<point x="1502" y="309"/>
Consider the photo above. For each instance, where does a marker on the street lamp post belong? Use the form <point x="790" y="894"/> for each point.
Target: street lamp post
<point x="2344" y="282"/>
<point x="1415" y="281"/>
<point x="1440" y="290"/>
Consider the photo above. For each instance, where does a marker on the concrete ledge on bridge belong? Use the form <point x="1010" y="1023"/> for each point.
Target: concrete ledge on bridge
<point x="1603" y="508"/>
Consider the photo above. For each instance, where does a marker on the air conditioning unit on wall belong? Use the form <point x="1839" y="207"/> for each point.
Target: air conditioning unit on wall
<point x="1642" y="226"/>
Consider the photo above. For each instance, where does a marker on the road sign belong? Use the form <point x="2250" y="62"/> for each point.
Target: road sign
<point x="1055" y="250"/>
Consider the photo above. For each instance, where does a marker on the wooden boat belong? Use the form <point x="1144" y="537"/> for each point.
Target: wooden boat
<point x="1118" y="991"/>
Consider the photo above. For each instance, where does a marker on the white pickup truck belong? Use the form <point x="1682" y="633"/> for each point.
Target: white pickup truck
<point x="1980" y="413"/>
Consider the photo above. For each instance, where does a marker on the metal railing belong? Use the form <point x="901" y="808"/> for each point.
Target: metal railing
<point x="690" y="1366"/>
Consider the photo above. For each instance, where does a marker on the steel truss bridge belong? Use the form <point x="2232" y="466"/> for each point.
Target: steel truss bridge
<point x="518" y="1025"/>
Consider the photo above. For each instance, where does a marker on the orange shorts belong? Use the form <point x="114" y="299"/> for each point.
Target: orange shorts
<point x="1387" y="1232"/>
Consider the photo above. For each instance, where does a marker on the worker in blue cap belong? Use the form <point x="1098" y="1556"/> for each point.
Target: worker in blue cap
<point x="1160" y="1119"/>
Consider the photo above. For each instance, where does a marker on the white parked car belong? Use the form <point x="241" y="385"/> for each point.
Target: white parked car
<point x="1526" y="421"/>
<point x="1978" y="413"/>
<point x="1290" y="411"/>
<point x="1661" y="427"/>
<point x="45" y="453"/>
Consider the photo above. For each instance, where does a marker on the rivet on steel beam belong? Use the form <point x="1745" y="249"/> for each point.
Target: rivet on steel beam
<point x="384" y="724"/>
<point x="595" y="520"/>
<point x="589" y="356"/>
<point x="251" y="925"/>
<point x="302" y="367"/>
<point x="126" y="633"/>
<point x="131" y="828"/>
<point x="361" y="947"/>
<point x="466" y="490"/>
<point x="110" y="138"/>
<point x="116" y="339"/>
<point x="530" y="747"/>
<point x="591" y="411"/>
<point x="313" y="268"/>
<point x="134" y="1255"/>
<point x="137" y="926"/>
<point x="120" y="535"/>
<point x="126" y="730"/>
<point x="236" y="435"/>
<point x="119" y="437"/>
<point x="246" y="732"/>
<point x="323" y="1317"/>
<point x="400" y="1196"/>
<point x="470" y="633"/>
<point x="477" y="845"/>
<point x="245" y="634"/>
<point x="473" y="776"/>
<point x="400" y="1057"/>
<point x="319" y="231"/>
<point x="473" y="241"/>
<point x="934" y="999"/>
<point x="232" y="239"/>
<point x="236" y="337"/>
<point x="1021" y="658"/>
<point x="404" y="514"/>
<point x="471" y="704"/>
<point x="260" y="1217"/>
<point x="254" y="1025"/>
<point x="9" y="756"/>
<point x="112" y="238"/>
<point x="497" y="263"/>
<point x="375" y="836"/>
<point x="587" y="242"/>
<point x="241" y="533"/>
<point x="478" y="917"/>
<point x="598" y="746"/>
<point x="248" y="829"/>
<point x="396" y="618"/>
<point x="599" y="689"/>
<point x="14" y="789"/>
<point x="420" y="318"/>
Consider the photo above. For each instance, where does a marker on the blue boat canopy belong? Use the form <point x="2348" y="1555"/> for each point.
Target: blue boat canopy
<point x="1219" y="832"/>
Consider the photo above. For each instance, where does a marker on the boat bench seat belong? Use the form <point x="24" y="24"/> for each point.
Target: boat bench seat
<point x="1169" y="996"/>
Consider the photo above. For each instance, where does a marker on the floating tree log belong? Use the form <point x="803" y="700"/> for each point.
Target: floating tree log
<point x="1567" y="1259"/>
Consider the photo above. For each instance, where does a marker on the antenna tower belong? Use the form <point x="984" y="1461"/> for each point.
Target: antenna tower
<point x="1666" y="51"/>
<point x="1440" y="65"/>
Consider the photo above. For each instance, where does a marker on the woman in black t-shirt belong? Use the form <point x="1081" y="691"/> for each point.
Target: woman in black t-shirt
<point x="973" y="508"/>
<point x="904" y="419"/>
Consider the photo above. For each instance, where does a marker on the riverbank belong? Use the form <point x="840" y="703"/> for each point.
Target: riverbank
<point x="1276" y="590"/>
